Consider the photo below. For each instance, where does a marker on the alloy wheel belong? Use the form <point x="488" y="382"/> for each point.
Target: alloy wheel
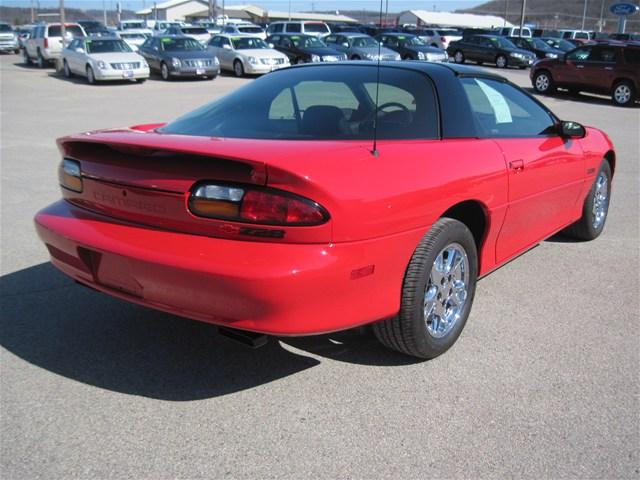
<point x="600" y="200"/>
<point x="622" y="94"/>
<point x="446" y="292"/>
<point x="542" y="82"/>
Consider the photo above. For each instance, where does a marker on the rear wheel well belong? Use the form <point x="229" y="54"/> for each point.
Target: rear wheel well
<point x="473" y="215"/>
<point x="610" y="157"/>
<point x="622" y="79"/>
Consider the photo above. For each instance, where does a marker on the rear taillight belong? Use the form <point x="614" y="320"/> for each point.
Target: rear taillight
<point x="443" y="39"/>
<point x="265" y="206"/>
<point x="46" y="43"/>
<point x="70" y="175"/>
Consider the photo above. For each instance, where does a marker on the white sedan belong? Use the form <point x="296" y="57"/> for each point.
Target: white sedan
<point x="101" y="59"/>
<point x="246" y="54"/>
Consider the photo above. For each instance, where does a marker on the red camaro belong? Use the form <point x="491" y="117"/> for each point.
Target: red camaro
<point x="324" y="197"/>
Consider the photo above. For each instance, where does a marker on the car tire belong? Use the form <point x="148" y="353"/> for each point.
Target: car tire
<point x="164" y="72"/>
<point x="623" y="94"/>
<point x="458" y="56"/>
<point x="595" y="208"/>
<point x="421" y="329"/>
<point x="66" y="69"/>
<point x="297" y="61"/>
<point x="40" y="61"/>
<point x="407" y="57"/>
<point x="543" y="83"/>
<point x="238" y="68"/>
<point x="501" y="61"/>
<point x="26" y="58"/>
<point x="91" y="76"/>
<point x="356" y="57"/>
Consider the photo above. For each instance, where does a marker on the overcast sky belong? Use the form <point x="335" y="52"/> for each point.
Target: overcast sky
<point x="296" y="5"/>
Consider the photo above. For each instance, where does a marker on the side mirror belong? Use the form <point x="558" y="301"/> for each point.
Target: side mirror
<point x="572" y="130"/>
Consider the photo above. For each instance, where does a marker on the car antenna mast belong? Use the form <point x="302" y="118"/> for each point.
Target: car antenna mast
<point x="374" y="150"/>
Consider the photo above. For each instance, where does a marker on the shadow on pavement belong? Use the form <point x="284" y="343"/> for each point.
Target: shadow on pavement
<point x="49" y="321"/>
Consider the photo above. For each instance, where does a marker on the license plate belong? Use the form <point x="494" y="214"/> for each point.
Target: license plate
<point x="200" y="71"/>
<point x="127" y="74"/>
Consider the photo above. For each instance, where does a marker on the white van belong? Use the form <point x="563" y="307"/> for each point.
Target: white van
<point x="515" y="32"/>
<point x="318" y="29"/>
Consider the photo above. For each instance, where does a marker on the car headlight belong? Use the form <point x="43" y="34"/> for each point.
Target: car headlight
<point x="517" y="55"/>
<point x="215" y="61"/>
<point x="421" y="56"/>
<point x="144" y="63"/>
<point x="252" y="60"/>
<point x="101" y="65"/>
<point x="397" y="57"/>
<point x="315" y="58"/>
<point x="551" y="55"/>
<point x="176" y="62"/>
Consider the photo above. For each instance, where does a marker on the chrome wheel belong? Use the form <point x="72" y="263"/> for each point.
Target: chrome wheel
<point x="447" y="290"/>
<point x="501" y="62"/>
<point x="459" y="57"/>
<point x="164" y="72"/>
<point x="622" y="94"/>
<point x="542" y="82"/>
<point x="67" y="71"/>
<point x="90" y="76"/>
<point x="600" y="201"/>
<point x="238" y="69"/>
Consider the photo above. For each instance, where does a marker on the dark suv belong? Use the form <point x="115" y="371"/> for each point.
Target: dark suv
<point x="490" y="49"/>
<point x="610" y="69"/>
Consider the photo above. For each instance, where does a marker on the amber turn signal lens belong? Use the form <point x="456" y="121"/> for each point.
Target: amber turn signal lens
<point x="70" y="175"/>
<point x="213" y="208"/>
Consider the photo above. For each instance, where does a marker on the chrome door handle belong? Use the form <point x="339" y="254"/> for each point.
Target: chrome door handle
<point x="608" y="68"/>
<point x="579" y="66"/>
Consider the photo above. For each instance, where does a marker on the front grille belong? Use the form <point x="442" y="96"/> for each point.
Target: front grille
<point x="331" y="58"/>
<point x="199" y="63"/>
<point x="272" y="61"/>
<point x="125" y="66"/>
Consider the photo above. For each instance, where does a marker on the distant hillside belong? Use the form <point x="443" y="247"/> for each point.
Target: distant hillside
<point x="559" y="14"/>
<point x="21" y="16"/>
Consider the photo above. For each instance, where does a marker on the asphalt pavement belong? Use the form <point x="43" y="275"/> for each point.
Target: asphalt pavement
<point x="543" y="383"/>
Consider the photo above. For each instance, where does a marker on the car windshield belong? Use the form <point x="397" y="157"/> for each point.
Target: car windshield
<point x="252" y="30"/>
<point x="133" y="36"/>
<point x="106" y="46"/>
<point x="332" y="102"/>
<point x="75" y="30"/>
<point x="316" y="28"/>
<point x="539" y="44"/>
<point x="501" y="42"/>
<point x="561" y="44"/>
<point x="416" y="41"/>
<point x="307" y="42"/>
<point x="246" y="43"/>
<point x="180" y="44"/>
<point x="195" y="31"/>
<point x="5" y="28"/>
<point x="364" y="42"/>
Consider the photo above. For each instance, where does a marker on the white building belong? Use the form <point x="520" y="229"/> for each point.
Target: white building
<point x="446" y="19"/>
<point x="173" y="10"/>
<point x="260" y="15"/>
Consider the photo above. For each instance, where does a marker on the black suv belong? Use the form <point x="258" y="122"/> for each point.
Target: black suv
<point x="490" y="49"/>
<point x="411" y="47"/>
<point x="304" y="48"/>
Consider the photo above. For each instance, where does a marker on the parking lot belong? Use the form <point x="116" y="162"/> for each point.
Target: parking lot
<point x="543" y="382"/>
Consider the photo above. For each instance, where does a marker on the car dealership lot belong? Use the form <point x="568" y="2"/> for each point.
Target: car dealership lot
<point x="542" y="383"/>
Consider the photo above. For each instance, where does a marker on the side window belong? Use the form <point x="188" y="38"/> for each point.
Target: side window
<point x="294" y="27"/>
<point x="607" y="55"/>
<point x="331" y="39"/>
<point x="214" y="42"/>
<point x="501" y="110"/>
<point x="582" y="36"/>
<point x="282" y="106"/>
<point x="278" y="27"/>
<point x="579" y="54"/>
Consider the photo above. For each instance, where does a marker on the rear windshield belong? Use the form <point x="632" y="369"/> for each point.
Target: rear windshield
<point x="334" y="102"/>
<point x="195" y="30"/>
<point x="75" y="30"/>
<point x="316" y="28"/>
<point x="5" y="28"/>
<point x="250" y="29"/>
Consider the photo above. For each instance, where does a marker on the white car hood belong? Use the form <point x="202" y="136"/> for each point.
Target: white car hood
<point x="261" y="53"/>
<point x="117" y="57"/>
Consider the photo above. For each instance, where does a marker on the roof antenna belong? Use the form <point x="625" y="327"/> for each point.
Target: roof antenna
<point x="374" y="150"/>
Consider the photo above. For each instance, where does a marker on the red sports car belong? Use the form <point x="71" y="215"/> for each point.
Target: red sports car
<point x="324" y="197"/>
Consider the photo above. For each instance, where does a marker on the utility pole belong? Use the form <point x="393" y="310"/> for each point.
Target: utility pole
<point x="584" y="14"/>
<point x="289" y="10"/>
<point x="33" y="14"/>
<point x="600" y="26"/>
<point x="104" y="12"/>
<point x="506" y="12"/>
<point x="212" y="9"/>
<point x="524" y="7"/>
<point x="63" y="31"/>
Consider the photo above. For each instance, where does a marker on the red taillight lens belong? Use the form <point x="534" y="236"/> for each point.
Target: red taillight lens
<point x="252" y="205"/>
<point x="46" y="43"/>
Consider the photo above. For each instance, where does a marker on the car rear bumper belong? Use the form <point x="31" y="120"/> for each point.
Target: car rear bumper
<point x="273" y="288"/>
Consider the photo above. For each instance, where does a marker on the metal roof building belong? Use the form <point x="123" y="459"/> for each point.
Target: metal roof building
<point x="173" y="10"/>
<point x="447" y="19"/>
<point x="261" y="15"/>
